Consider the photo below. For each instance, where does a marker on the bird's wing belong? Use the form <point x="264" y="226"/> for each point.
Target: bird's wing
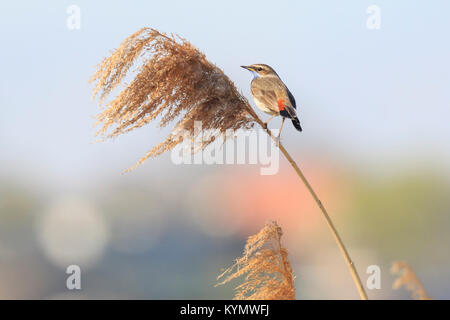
<point x="285" y="100"/>
<point x="291" y="98"/>
<point x="289" y="108"/>
<point x="263" y="90"/>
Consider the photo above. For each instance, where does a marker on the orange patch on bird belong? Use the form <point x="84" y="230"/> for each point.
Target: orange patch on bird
<point x="281" y="104"/>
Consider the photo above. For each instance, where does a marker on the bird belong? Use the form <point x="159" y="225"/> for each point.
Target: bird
<point x="272" y="96"/>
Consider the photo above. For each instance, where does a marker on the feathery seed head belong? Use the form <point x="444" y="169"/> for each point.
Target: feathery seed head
<point x="408" y="278"/>
<point x="173" y="82"/>
<point x="265" y="266"/>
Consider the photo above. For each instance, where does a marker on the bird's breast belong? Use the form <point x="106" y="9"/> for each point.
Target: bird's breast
<point x="263" y="106"/>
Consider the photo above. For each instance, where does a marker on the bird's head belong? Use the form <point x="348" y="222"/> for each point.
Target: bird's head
<point x="260" y="70"/>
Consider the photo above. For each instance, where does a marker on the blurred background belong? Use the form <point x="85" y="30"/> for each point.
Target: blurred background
<point x="374" y="105"/>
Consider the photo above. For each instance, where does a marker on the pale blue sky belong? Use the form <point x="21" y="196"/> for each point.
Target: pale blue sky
<point x="368" y="96"/>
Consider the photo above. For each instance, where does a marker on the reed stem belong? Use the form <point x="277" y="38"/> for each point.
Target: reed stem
<point x="334" y="232"/>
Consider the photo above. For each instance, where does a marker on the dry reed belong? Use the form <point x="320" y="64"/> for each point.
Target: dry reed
<point x="265" y="266"/>
<point x="407" y="278"/>
<point x="175" y="82"/>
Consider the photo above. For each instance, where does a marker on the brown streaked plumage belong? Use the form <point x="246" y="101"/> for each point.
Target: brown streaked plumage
<point x="271" y="95"/>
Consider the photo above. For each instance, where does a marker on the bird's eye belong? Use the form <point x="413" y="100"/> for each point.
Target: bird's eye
<point x="259" y="69"/>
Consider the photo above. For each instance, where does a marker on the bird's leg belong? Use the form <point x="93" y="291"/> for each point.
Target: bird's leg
<point x="267" y="121"/>
<point x="282" y="122"/>
<point x="281" y="128"/>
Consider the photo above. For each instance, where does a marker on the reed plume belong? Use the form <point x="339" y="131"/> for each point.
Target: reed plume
<point x="265" y="266"/>
<point x="174" y="82"/>
<point x="407" y="278"/>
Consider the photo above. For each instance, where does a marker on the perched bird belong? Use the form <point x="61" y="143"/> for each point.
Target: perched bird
<point x="271" y="95"/>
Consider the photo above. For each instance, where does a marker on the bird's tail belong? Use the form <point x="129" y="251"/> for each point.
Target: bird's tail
<point x="296" y="124"/>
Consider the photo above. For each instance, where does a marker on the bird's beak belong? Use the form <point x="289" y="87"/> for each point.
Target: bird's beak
<point x="246" y="67"/>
